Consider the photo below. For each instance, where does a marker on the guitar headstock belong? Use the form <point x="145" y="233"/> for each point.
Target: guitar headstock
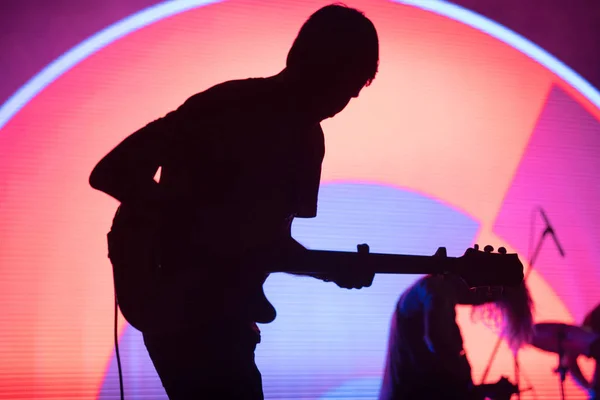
<point x="489" y="269"/>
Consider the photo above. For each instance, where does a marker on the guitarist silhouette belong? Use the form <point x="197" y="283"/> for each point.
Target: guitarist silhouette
<point x="238" y="162"/>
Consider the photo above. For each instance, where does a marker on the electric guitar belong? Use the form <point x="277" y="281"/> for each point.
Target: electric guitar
<point x="147" y="293"/>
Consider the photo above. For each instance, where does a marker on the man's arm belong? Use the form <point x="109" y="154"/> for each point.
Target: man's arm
<point x="292" y="246"/>
<point x="306" y="192"/>
<point x="503" y="389"/>
<point x="127" y="172"/>
<point x="354" y="277"/>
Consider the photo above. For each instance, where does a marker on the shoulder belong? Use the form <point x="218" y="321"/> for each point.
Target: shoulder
<point x="224" y="95"/>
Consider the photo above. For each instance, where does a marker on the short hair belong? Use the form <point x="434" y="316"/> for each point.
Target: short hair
<point x="336" y="38"/>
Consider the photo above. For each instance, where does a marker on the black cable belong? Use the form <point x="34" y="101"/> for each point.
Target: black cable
<point x="117" y="348"/>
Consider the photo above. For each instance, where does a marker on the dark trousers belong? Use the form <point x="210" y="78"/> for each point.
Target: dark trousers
<point x="211" y="363"/>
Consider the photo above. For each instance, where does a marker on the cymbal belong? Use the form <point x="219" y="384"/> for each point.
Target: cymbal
<point x="573" y="339"/>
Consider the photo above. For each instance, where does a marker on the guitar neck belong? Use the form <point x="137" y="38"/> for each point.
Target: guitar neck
<point x="325" y="261"/>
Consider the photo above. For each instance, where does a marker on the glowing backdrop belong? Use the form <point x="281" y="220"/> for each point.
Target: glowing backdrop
<point x="466" y="128"/>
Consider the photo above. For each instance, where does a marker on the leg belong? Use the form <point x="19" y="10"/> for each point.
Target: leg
<point x="196" y="365"/>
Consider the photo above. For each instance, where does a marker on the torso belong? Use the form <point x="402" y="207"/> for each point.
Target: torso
<point x="238" y="173"/>
<point x="253" y="171"/>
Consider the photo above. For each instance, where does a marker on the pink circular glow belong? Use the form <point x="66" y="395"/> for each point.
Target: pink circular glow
<point x="451" y="115"/>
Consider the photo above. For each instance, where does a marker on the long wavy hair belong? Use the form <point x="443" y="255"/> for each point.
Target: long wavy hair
<point x="511" y="314"/>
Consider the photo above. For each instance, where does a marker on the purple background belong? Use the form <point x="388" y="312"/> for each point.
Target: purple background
<point x="34" y="32"/>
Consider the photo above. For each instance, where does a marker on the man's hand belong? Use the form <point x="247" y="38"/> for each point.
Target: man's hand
<point x="357" y="275"/>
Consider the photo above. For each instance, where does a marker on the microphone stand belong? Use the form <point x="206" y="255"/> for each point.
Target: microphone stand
<point x="532" y="261"/>
<point x="562" y="369"/>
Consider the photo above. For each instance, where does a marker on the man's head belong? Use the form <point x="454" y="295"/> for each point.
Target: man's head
<point x="335" y="54"/>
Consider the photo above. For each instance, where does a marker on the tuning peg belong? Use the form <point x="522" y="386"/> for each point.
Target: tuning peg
<point x="476" y="247"/>
<point x="441" y="252"/>
<point x="362" y="248"/>
<point x="488" y="249"/>
<point x="501" y="250"/>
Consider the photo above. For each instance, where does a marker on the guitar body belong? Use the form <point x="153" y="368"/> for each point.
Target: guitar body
<point x="133" y="252"/>
<point x="156" y="295"/>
